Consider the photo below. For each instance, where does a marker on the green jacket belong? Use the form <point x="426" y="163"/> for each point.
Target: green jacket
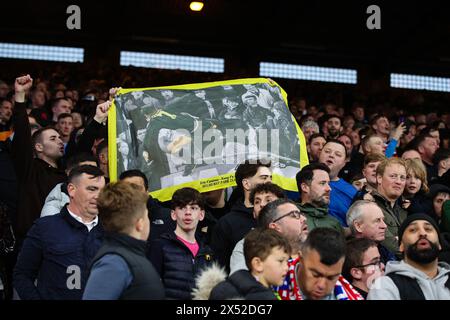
<point x="393" y="217"/>
<point x="319" y="217"/>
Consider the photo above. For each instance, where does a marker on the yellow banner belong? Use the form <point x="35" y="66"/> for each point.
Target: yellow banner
<point x="195" y="135"/>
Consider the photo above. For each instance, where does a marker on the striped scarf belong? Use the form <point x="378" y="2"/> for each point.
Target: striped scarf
<point x="289" y="290"/>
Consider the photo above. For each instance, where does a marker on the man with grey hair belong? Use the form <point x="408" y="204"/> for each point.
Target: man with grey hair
<point x="284" y="216"/>
<point x="366" y="220"/>
<point x="309" y="127"/>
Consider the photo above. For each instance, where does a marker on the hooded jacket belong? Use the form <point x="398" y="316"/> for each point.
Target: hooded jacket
<point x="213" y="284"/>
<point x="241" y="284"/>
<point x="432" y="289"/>
<point x="229" y="230"/>
<point x="56" y="200"/>
<point x="319" y="217"/>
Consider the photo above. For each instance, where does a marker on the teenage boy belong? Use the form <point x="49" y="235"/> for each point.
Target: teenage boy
<point x="121" y="269"/>
<point x="179" y="256"/>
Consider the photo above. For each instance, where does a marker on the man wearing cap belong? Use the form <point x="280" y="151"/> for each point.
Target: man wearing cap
<point x="255" y="115"/>
<point x="418" y="276"/>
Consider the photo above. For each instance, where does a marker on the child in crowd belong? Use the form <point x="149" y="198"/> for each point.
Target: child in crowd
<point x="266" y="255"/>
<point x="179" y="256"/>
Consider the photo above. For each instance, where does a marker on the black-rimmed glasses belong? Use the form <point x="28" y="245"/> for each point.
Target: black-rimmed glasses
<point x="377" y="263"/>
<point x="294" y="214"/>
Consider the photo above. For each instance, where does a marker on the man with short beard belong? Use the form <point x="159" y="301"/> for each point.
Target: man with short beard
<point x="418" y="276"/>
<point x="313" y="184"/>
<point x="334" y="125"/>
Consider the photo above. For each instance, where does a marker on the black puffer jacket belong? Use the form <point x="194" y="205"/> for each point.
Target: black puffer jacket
<point x="241" y="284"/>
<point x="177" y="266"/>
<point x="229" y="230"/>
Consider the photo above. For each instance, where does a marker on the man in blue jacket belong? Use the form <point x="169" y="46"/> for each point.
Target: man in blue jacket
<point x="58" y="249"/>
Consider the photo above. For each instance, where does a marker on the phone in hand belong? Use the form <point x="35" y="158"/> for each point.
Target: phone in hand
<point x="408" y="124"/>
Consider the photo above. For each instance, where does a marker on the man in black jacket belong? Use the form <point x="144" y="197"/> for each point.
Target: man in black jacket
<point x="36" y="175"/>
<point x="232" y="227"/>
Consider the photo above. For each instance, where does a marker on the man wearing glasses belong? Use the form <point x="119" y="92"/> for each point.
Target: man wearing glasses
<point x="284" y="216"/>
<point x="313" y="184"/>
<point x="260" y="196"/>
<point x="362" y="264"/>
<point x="391" y="180"/>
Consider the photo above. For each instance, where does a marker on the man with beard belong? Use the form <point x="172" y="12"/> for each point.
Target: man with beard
<point x="334" y="125"/>
<point x="317" y="275"/>
<point x="418" y="276"/>
<point x="313" y="184"/>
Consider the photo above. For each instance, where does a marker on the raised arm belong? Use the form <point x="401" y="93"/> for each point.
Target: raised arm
<point x="22" y="149"/>
<point x="93" y="128"/>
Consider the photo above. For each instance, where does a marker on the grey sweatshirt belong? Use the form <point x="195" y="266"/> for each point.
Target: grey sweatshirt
<point x="433" y="289"/>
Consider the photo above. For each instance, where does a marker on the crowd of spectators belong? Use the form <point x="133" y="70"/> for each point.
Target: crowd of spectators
<point x="372" y="209"/>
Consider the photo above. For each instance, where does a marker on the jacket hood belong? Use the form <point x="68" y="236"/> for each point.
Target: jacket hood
<point x="241" y="208"/>
<point x="313" y="211"/>
<point x="207" y="280"/>
<point x="402" y="268"/>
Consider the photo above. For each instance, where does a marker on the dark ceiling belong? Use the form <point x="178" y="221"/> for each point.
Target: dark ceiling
<point x="411" y="32"/>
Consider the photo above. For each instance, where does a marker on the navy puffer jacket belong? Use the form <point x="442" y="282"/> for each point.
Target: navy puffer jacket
<point x="177" y="266"/>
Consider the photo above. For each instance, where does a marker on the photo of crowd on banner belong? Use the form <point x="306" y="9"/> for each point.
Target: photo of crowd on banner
<point x="177" y="136"/>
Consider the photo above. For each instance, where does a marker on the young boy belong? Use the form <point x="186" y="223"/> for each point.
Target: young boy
<point x="179" y="256"/>
<point x="266" y="254"/>
<point x="120" y="270"/>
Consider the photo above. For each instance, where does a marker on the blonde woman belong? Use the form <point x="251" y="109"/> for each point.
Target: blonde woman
<point x="416" y="187"/>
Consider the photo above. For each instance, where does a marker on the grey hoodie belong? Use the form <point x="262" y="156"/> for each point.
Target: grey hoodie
<point x="237" y="260"/>
<point x="433" y="289"/>
<point x="55" y="201"/>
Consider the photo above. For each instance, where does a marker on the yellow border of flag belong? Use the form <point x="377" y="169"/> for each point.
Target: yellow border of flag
<point x="226" y="180"/>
